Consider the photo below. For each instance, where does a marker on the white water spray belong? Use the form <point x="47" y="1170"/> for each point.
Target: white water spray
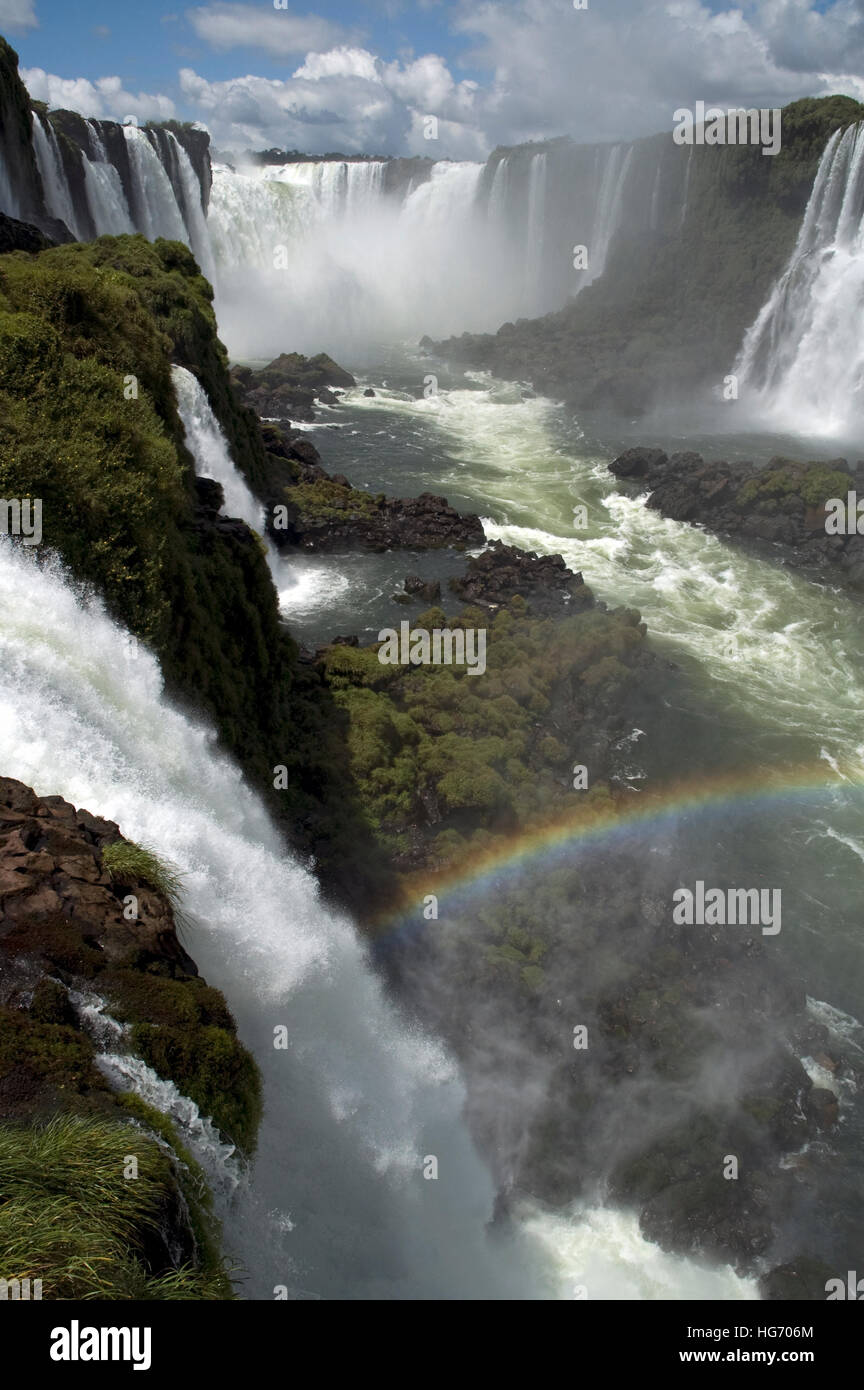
<point x="803" y="358"/>
<point x="209" y="448"/>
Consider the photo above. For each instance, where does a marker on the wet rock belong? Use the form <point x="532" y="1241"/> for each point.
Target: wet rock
<point x="20" y="236"/>
<point x="287" y="388"/>
<point x="427" y="590"/>
<point x="51" y="870"/>
<point x="821" y="1105"/>
<point x="799" y="1279"/>
<point x="339" y="517"/>
<point x="503" y="571"/>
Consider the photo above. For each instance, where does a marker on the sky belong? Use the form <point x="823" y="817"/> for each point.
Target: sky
<point x="365" y="76"/>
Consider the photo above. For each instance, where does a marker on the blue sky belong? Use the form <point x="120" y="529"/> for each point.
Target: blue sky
<point x="364" y="75"/>
<point x="148" y="41"/>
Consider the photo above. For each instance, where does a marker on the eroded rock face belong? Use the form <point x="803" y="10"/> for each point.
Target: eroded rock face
<point x="783" y="504"/>
<point x="20" y="236"/>
<point x="72" y="932"/>
<point x="51" y="870"/>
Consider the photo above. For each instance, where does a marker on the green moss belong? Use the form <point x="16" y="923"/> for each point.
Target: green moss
<point x="83" y="328"/>
<point x="813" y="483"/>
<point x="56" y="1057"/>
<point x="479" y="754"/>
<point x="326" y="501"/>
<point x="193" y="1183"/>
<point x="210" y="1066"/>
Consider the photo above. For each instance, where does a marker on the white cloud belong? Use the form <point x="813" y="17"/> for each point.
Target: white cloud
<point x="16" y="16"/>
<point x="104" y="98"/>
<point x="345" y="99"/>
<point x="226" y="26"/>
<point x="619" y="69"/>
<point x="340" y="62"/>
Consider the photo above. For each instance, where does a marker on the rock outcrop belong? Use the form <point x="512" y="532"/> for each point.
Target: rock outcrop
<point x="78" y="922"/>
<point x="544" y="581"/>
<point x="288" y="387"/>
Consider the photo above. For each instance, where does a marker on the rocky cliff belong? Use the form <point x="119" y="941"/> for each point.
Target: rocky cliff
<point x="91" y="965"/>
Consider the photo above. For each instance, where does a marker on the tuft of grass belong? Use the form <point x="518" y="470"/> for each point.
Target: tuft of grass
<point x="70" y="1217"/>
<point x="127" y="861"/>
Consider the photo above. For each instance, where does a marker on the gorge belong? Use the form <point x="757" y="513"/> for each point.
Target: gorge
<point x="170" y="651"/>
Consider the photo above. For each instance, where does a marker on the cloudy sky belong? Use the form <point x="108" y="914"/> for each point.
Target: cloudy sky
<point x="361" y="75"/>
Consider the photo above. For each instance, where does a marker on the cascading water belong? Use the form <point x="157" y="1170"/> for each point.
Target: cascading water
<point x="802" y="361"/>
<point x="608" y="209"/>
<point x="354" y="252"/>
<point x="324" y="248"/>
<point x="155" y="208"/>
<point x="336" y="1204"/>
<point x="105" y="197"/>
<point x="209" y="447"/>
<point x="358" y="1098"/>
<point x="9" y="202"/>
<point x="58" y="196"/>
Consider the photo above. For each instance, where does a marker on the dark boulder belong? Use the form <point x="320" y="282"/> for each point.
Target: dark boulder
<point x="503" y="571"/>
<point x="427" y="590"/>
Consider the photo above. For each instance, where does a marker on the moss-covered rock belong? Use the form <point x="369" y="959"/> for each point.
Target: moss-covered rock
<point x="89" y="424"/>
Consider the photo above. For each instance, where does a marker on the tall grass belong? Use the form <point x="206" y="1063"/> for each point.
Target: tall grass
<point x="70" y="1217"/>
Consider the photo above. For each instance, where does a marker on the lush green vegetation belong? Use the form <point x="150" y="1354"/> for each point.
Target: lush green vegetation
<point x="814" y="483"/>
<point x="326" y="500"/>
<point x="70" y="1215"/>
<point x="445" y="762"/>
<point x="106" y="456"/>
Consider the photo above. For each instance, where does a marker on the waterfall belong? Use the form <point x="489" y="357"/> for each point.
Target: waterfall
<point x="608" y="208"/>
<point x="323" y="247"/>
<point x="801" y="363"/>
<point x="195" y="221"/>
<point x="58" y="195"/>
<point x="209" y="448"/>
<point x="105" y="197"/>
<point x="537" y="181"/>
<point x="327" y="247"/>
<point x="9" y="202"/>
<point x="336" y="1204"/>
<point x="155" y="208"/>
<point x="337" y="1201"/>
<point x="353" y="252"/>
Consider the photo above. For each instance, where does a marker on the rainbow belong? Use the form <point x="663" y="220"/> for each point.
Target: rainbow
<point x="555" y="842"/>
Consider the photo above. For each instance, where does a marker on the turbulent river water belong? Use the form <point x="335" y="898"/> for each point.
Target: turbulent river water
<point x="772" y="662"/>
